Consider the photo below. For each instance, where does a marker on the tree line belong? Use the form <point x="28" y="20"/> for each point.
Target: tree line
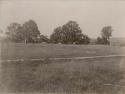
<point x="69" y="33"/>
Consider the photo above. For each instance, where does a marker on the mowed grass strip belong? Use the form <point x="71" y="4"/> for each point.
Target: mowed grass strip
<point x="73" y="76"/>
<point x="36" y="51"/>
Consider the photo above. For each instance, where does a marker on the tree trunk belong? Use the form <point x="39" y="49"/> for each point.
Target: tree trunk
<point x="25" y="41"/>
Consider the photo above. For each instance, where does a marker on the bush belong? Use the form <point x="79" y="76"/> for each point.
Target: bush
<point x="102" y="41"/>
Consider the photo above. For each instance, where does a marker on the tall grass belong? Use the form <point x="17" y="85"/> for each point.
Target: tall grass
<point x="72" y="76"/>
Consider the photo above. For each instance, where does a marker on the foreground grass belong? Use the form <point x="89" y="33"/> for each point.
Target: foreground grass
<point x="67" y="76"/>
<point x="62" y="76"/>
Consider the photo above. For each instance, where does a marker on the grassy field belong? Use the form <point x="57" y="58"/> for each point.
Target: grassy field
<point x="98" y="76"/>
<point x="28" y="51"/>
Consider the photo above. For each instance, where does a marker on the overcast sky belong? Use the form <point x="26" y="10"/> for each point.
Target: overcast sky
<point x="90" y="15"/>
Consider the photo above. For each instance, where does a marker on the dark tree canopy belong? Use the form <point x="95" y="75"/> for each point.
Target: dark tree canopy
<point x="57" y="35"/>
<point x="106" y="33"/>
<point x="14" y="32"/>
<point x="43" y="38"/>
<point x="30" y="31"/>
<point x="72" y="32"/>
<point x="69" y="33"/>
<point x="102" y="40"/>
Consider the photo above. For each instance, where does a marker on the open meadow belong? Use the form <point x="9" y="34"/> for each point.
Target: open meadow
<point x="104" y="75"/>
<point x="35" y="51"/>
<point x="62" y="47"/>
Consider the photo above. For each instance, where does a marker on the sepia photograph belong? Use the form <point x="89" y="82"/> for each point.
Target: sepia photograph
<point x="62" y="47"/>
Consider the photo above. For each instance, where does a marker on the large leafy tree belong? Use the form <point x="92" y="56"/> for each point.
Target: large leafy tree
<point x="56" y="36"/>
<point x="72" y="32"/>
<point x="30" y="31"/>
<point x="14" y="32"/>
<point x="69" y="33"/>
<point x="106" y="34"/>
